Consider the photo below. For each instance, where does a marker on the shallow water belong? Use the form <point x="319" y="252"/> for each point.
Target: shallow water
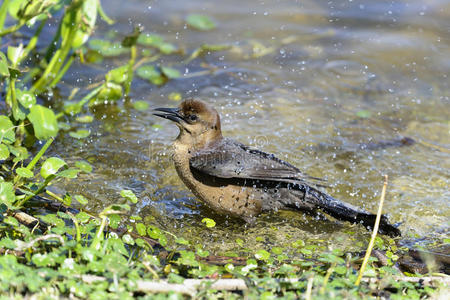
<point x="296" y="82"/>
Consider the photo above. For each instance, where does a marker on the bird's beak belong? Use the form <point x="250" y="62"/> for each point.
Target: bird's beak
<point x="172" y="114"/>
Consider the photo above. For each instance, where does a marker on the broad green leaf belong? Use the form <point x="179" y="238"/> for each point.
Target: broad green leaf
<point x="128" y="194"/>
<point x="69" y="173"/>
<point x="106" y="48"/>
<point x="141" y="230"/>
<point x="4" y="71"/>
<point x="262" y="254"/>
<point x="140" y="105"/>
<point x="51" y="166"/>
<point x="182" y="241"/>
<point x="200" y="22"/>
<point x="14" y="7"/>
<point x="24" y="172"/>
<point x="209" y="222"/>
<point x="170" y="73"/>
<point x="80" y="134"/>
<point x="148" y="39"/>
<point x="4" y="152"/>
<point x="15" y="54"/>
<point x="21" y="153"/>
<point x="152" y="74"/>
<point x="81" y="199"/>
<point x="44" y="122"/>
<point x="167" y="48"/>
<point x="118" y="75"/>
<point x="7" y="193"/>
<point x="110" y="92"/>
<point x="83" y="166"/>
<point x="85" y="119"/>
<point x="26" y="98"/>
<point x="7" y="133"/>
<point x="126" y="238"/>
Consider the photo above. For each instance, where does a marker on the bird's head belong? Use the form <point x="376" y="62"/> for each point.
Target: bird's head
<point x="199" y="122"/>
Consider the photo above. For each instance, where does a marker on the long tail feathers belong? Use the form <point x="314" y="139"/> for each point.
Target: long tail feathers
<point x="346" y="212"/>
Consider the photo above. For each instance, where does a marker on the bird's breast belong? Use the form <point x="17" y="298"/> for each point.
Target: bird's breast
<point x="216" y="192"/>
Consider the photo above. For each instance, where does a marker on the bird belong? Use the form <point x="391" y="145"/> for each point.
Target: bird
<point x="237" y="180"/>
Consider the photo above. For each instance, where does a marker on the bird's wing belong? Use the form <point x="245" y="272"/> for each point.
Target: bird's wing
<point x="230" y="159"/>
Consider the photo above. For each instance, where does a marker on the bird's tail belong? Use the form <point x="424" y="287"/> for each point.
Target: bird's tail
<point x="347" y="212"/>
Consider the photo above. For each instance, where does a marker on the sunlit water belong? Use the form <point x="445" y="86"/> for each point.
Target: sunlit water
<point x="296" y="83"/>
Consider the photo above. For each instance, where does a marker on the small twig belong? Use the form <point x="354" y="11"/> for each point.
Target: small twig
<point x="309" y="288"/>
<point x="327" y="277"/>
<point x="374" y="232"/>
<point x="23" y="246"/>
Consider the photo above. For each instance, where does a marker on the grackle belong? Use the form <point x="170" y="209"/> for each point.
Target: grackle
<point x="240" y="181"/>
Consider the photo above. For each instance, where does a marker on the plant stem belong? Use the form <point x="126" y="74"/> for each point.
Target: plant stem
<point x="374" y="232"/>
<point x="11" y="29"/>
<point x="33" y="41"/>
<point x="62" y="72"/>
<point x="3" y="11"/>
<point x="103" y="15"/>
<point x="39" y="154"/>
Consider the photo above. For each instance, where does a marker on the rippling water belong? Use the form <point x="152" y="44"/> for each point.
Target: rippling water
<point x="316" y="82"/>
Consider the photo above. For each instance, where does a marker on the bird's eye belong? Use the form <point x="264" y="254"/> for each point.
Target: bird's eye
<point x="193" y="117"/>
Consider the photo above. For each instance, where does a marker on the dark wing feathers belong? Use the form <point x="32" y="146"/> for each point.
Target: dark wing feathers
<point x="230" y="159"/>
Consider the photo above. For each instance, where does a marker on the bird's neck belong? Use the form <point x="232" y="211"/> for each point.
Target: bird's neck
<point x="195" y="143"/>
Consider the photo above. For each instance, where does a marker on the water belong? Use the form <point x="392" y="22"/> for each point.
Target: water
<point x="310" y="81"/>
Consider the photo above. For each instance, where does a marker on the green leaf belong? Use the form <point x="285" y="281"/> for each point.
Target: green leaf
<point x="175" y="96"/>
<point x="26" y="98"/>
<point x="106" y="48"/>
<point x="24" y="172"/>
<point x="170" y="73"/>
<point x="129" y="195"/>
<point x="83" y="166"/>
<point x="200" y="22"/>
<point x="206" y="49"/>
<point x="140" y="228"/>
<point x="364" y="114"/>
<point x="4" y="71"/>
<point x="182" y="241"/>
<point x="152" y="74"/>
<point x="7" y="193"/>
<point x="44" y="122"/>
<point x="167" y="48"/>
<point x="130" y="40"/>
<point x="51" y="166"/>
<point x="21" y="153"/>
<point x="4" y="152"/>
<point x="15" y="54"/>
<point x="110" y="92"/>
<point x="118" y="75"/>
<point x="140" y="105"/>
<point x="262" y="254"/>
<point x="154" y="232"/>
<point x="81" y="199"/>
<point x="209" y="222"/>
<point x="85" y="119"/>
<point x="80" y="134"/>
<point x="126" y="238"/>
<point x="7" y="133"/>
<point x="148" y="39"/>
<point x="85" y="20"/>
<point x="69" y="173"/>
